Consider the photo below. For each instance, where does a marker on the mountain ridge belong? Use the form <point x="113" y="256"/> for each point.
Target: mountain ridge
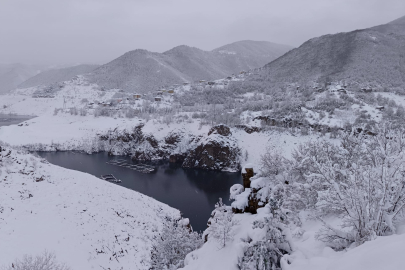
<point x="372" y="57"/>
<point x="142" y="71"/>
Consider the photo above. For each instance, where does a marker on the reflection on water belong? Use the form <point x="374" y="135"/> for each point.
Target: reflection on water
<point x="193" y="192"/>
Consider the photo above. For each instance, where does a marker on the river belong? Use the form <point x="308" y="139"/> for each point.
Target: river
<point x="193" y="192"/>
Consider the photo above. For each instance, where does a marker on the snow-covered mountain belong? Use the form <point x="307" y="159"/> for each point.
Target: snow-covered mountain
<point x="57" y="75"/>
<point x="11" y="75"/>
<point x="142" y="71"/>
<point x="372" y="57"/>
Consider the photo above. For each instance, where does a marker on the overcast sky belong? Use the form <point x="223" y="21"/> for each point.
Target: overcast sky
<point x="97" y="31"/>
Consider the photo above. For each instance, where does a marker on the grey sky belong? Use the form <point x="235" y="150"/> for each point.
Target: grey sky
<point x="96" y="31"/>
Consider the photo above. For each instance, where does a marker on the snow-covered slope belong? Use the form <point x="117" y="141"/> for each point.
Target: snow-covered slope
<point x="88" y="223"/>
<point x="368" y="57"/>
<point x="255" y="53"/>
<point x="308" y="254"/>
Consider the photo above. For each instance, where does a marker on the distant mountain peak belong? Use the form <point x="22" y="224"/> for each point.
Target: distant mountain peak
<point x="182" y="49"/>
<point x="137" y="51"/>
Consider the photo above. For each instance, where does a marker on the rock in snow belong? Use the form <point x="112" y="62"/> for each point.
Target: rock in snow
<point x="218" y="151"/>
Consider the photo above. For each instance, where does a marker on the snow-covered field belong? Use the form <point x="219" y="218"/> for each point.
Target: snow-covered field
<point x="86" y="222"/>
<point x="308" y="254"/>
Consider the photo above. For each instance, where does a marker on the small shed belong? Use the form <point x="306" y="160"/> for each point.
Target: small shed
<point x="203" y="81"/>
<point x="158" y="99"/>
<point x="171" y="91"/>
<point x="137" y="96"/>
<point x="341" y="90"/>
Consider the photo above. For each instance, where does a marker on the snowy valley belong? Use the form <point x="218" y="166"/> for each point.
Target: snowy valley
<point x="314" y="137"/>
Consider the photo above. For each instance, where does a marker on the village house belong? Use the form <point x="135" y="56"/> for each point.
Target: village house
<point x="105" y="104"/>
<point x="137" y="96"/>
<point x="158" y="99"/>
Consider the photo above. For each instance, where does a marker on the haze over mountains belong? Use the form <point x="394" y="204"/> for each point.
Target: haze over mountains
<point x="373" y="57"/>
<point x="143" y="71"/>
<point x="11" y="75"/>
<point x="57" y="75"/>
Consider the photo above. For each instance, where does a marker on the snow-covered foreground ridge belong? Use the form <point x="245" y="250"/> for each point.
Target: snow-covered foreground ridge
<point x="331" y="206"/>
<point x="385" y="252"/>
<point x="86" y="222"/>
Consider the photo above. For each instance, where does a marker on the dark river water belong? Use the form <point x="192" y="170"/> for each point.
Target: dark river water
<point x="193" y="192"/>
<point x="10" y="119"/>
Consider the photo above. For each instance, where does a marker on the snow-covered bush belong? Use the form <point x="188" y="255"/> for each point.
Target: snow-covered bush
<point x="361" y="181"/>
<point x="221" y="224"/>
<point x="73" y="111"/>
<point x="45" y="261"/>
<point x="83" y="112"/>
<point x="173" y="244"/>
<point x="272" y="162"/>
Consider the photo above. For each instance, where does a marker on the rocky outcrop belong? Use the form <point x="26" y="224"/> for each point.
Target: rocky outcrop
<point x="249" y="129"/>
<point x="246" y="177"/>
<point x="220" y="130"/>
<point x="246" y="199"/>
<point x="177" y="158"/>
<point x="218" y="151"/>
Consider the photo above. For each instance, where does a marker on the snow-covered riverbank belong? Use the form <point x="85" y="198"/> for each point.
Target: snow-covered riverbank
<point x="88" y="223"/>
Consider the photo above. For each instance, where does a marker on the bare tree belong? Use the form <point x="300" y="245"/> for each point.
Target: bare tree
<point x="362" y="181"/>
<point x="221" y="224"/>
<point x="272" y="162"/>
<point x="45" y="261"/>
